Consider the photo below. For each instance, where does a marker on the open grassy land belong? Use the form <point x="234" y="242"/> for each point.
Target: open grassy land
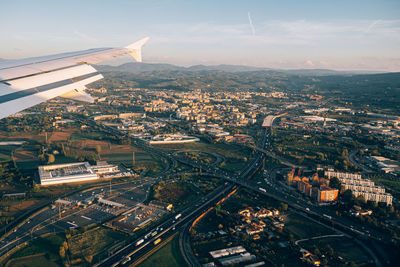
<point x="178" y="194"/>
<point x="302" y="227"/>
<point x="71" y="145"/>
<point x="40" y="252"/>
<point x="38" y="260"/>
<point x="317" y="149"/>
<point x="342" y="246"/>
<point x="77" y="249"/>
<point x="199" y="156"/>
<point x="86" y="246"/>
<point x="167" y="256"/>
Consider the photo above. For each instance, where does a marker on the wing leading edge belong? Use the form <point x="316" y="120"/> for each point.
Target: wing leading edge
<point x="28" y="82"/>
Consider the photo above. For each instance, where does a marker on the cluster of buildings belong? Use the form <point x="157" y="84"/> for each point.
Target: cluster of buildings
<point x="176" y="138"/>
<point x="160" y="105"/>
<point x="313" y="187"/>
<point x="218" y="132"/>
<point x="121" y="116"/>
<point x="361" y="187"/>
<point x="317" y="187"/>
<point x="385" y="165"/>
<point x="78" y="172"/>
<point x="198" y="106"/>
<point x="308" y="257"/>
<point x="390" y="127"/>
<point x="232" y="256"/>
<point x="254" y="223"/>
<point x="227" y="114"/>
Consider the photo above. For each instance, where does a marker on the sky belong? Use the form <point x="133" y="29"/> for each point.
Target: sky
<point x="286" y="34"/>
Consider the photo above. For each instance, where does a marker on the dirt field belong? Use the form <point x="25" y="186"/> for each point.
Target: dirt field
<point x="24" y="155"/>
<point x="23" y="205"/>
<point x="105" y="147"/>
<point x="41" y="138"/>
<point x="59" y="136"/>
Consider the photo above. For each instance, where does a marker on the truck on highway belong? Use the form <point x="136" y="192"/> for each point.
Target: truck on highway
<point x="157" y="241"/>
<point x="327" y="216"/>
<point x="178" y="216"/>
<point x="262" y="189"/>
<point x="126" y="260"/>
<point x="139" y="242"/>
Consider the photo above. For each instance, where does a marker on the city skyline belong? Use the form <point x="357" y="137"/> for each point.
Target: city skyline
<point x="345" y="35"/>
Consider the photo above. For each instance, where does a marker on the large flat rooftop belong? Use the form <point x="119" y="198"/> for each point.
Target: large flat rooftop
<point x="66" y="173"/>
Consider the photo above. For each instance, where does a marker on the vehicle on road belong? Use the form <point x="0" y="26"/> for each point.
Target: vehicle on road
<point x="126" y="260"/>
<point x="157" y="241"/>
<point x="139" y="242"/>
<point x="327" y="216"/>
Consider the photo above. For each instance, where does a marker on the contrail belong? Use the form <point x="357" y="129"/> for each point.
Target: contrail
<point x="251" y="24"/>
<point x="373" y="24"/>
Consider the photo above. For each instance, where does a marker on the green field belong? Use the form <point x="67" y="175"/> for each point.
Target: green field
<point x="39" y="260"/>
<point x="126" y="158"/>
<point x="91" y="135"/>
<point x="342" y="246"/>
<point x="302" y="227"/>
<point x="167" y="256"/>
<point x="83" y="248"/>
<point x="45" y="251"/>
<point x="93" y="244"/>
<point x="179" y="194"/>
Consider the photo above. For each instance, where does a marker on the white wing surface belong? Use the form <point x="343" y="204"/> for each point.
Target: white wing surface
<point x="28" y="82"/>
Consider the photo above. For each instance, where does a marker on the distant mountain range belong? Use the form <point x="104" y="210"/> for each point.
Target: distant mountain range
<point x="135" y="67"/>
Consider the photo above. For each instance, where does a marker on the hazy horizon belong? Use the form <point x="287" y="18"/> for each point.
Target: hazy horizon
<point x="342" y="35"/>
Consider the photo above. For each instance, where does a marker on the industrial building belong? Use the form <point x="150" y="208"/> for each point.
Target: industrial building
<point x="66" y="173"/>
<point x="78" y="172"/>
<point x="227" y="251"/>
<point x="102" y="167"/>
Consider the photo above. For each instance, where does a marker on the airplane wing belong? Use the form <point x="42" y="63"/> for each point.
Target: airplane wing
<point x="28" y="82"/>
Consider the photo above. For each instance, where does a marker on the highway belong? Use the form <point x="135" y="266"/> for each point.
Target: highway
<point x="165" y="230"/>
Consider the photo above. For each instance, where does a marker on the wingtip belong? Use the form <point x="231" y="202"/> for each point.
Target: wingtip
<point x="138" y="44"/>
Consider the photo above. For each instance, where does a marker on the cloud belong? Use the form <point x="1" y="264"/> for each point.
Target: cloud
<point x="372" y="25"/>
<point x="253" y="31"/>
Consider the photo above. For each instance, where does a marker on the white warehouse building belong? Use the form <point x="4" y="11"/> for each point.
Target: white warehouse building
<point x="66" y="173"/>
